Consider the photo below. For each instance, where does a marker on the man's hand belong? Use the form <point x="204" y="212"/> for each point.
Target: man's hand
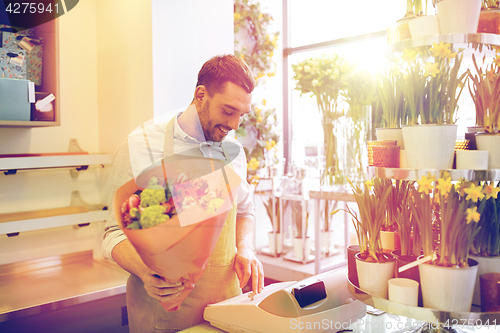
<point x="160" y="289"/>
<point x="247" y="265"/>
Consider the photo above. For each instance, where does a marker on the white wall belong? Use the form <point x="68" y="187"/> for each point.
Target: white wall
<point x="43" y="189"/>
<point x="185" y="35"/>
<point x="106" y="87"/>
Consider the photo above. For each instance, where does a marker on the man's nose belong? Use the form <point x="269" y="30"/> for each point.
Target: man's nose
<point x="234" y="122"/>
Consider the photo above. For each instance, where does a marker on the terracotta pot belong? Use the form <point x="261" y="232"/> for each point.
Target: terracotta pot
<point x="352" y="250"/>
<point x="486" y="265"/>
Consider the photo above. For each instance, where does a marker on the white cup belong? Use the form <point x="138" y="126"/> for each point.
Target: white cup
<point x="403" y="291"/>
<point x="472" y="159"/>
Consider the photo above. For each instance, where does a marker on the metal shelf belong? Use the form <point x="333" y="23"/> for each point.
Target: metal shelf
<point x="478" y="38"/>
<point x="416" y="174"/>
<point x="421" y="313"/>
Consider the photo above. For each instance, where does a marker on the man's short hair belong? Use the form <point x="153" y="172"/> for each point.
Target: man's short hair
<point x="218" y="70"/>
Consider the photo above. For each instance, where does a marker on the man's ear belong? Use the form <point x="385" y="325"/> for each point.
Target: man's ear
<point x="200" y="94"/>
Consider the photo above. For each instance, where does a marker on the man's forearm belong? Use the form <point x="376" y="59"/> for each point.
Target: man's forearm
<point x="244" y="232"/>
<point x="127" y="257"/>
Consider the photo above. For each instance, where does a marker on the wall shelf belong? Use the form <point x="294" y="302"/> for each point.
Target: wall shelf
<point x="46" y="162"/>
<point x="15" y="227"/>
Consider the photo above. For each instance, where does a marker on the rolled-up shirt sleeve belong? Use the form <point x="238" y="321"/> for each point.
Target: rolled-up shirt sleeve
<point x="245" y="197"/>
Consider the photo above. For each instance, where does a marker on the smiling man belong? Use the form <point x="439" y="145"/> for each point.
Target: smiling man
<point x="222" y="96"/>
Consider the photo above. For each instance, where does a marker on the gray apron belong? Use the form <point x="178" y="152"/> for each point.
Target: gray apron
<point x="219" y="281"/>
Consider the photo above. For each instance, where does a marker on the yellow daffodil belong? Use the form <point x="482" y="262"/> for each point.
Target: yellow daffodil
<point x="473" y="215"/>
<point x="409" y="55"/>
<point x="460" y="186"/>
<point x="496" y="61"/>
<point x="440" y="50"/>
<point x="444" y="186"/>
<point x="270" y="144"/>
<point x="254" y="180"/>
<point x="369" y="183"/>
<point x="431" y="69"/>
<point x="474" y="193"/>
<point x="491" y="75"/>
<point x="425" y="184"/>
<point x="491" y="191"/>
<point x="253" y="164"/>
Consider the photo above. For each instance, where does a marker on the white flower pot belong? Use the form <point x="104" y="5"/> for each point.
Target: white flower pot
<point x="486" y="265"/>
<point x="326" y="241"/>
<point x="391" y="134"/>
<point x="273" y="240"/>
<point x="298" y="247"/>
<point x="430" y="146"/>
<point x="472" y="159"/>
<point x="424" y="26"/>
<point x="458" y="16"/>
<point x="373" y="276"/>
<point x="448" y="288"/>
<point x="491" y="143"/>
<point x="390" y="241"/>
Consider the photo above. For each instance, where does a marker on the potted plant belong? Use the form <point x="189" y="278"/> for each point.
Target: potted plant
<point x="422" y="24"/>
<point x="484" y="88"/>
<point x="486" y="246"/>
<point x="274" y="214"/>
<point x="374" y="266"/>
<point x="431" y="90"/>
<point x="448" y="279"/>
<point x="389" y="234"/>
<point x="301" y="242"/>
<point x="391" y="99"/>
<point x="324" y="77"/>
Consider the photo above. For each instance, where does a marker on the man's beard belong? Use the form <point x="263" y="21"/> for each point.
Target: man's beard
<point x="209" y="130"/>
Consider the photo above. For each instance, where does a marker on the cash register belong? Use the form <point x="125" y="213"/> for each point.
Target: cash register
<point x="316" y="304"/>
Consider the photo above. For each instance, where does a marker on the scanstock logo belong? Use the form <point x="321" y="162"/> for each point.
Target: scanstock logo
<point x="31" y="13"/>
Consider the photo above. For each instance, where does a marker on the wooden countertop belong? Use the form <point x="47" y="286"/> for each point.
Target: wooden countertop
<point x="46" y="284"/>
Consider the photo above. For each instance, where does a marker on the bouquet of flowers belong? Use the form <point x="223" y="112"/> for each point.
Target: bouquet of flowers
<point x="173" y="214"/>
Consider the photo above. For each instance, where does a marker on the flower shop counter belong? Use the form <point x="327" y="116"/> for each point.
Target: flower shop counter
<point x="53" y="283"/>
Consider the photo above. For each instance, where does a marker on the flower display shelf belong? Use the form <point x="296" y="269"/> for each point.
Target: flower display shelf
<point x="437" y="318"/>
<point x="479" y="38"/>
<point x="416" y="174"/>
